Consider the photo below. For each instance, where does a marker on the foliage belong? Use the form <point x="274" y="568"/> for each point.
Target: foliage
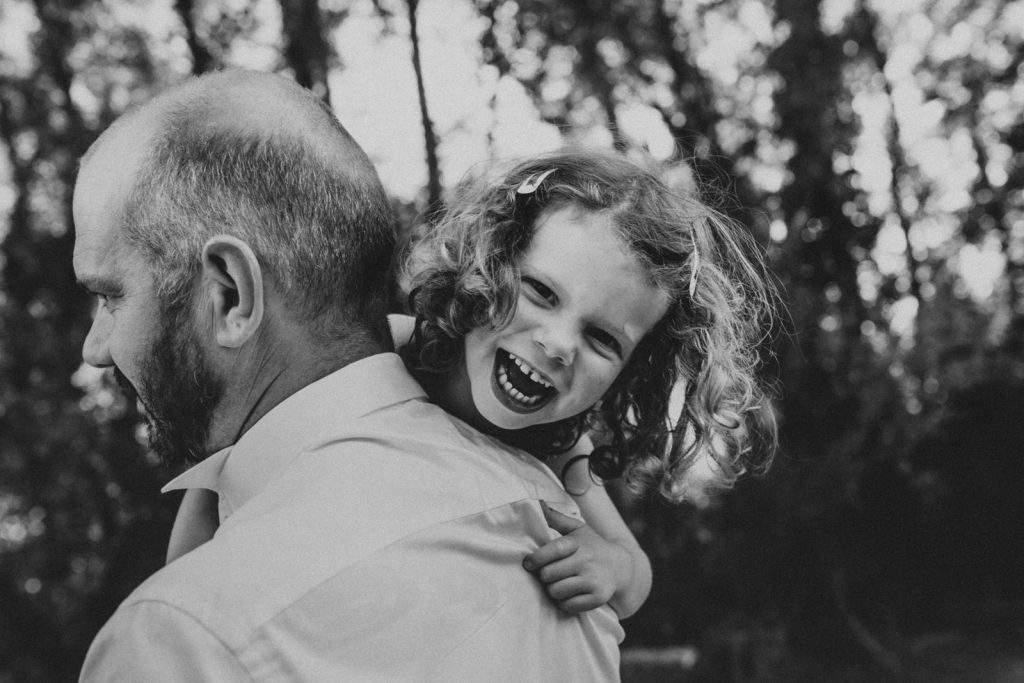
<point x="875" y="149"/>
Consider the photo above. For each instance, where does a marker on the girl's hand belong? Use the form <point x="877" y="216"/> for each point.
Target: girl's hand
<point x="581" y="570"/>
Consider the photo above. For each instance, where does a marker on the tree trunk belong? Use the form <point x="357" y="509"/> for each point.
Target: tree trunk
<point x="305" y="49"/>
<point x="429" y="137"/>
<point x="202" y="60"/>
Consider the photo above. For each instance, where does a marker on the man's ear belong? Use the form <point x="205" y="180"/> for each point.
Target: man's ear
<point x="234" y="283"/>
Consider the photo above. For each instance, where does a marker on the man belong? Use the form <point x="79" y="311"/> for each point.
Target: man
<point x="237" y="240"/>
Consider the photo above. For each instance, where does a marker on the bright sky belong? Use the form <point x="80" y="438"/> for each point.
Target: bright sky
<point x="375" y="96"/>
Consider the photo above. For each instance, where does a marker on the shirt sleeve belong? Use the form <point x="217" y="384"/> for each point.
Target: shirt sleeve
<point x="153" y="641"/>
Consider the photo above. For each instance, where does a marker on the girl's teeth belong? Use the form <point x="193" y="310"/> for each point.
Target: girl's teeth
<point x="529" y="371"/>
<point x="513" y="392"/>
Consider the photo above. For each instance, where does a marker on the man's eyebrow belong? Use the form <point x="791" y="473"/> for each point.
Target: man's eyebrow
<point x="93" y="285"/>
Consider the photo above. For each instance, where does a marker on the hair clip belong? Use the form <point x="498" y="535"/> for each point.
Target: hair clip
<point x="530" y="185"/>
<point x="693" y="270"/>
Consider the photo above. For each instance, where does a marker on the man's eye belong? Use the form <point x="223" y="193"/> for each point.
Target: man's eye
<point x="104" y="301"/>
<point x="606" y="341"/>
<point x="540" y="289"/>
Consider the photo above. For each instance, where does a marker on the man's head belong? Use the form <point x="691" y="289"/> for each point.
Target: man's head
<point x="235" y="235"/>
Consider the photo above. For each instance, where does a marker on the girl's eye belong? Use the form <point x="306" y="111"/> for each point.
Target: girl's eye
<point x="606" y="341"/>
<point x="540" y="289"/>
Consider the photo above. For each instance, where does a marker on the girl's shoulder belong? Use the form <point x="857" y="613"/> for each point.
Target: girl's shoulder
<point x="402" y="327"/>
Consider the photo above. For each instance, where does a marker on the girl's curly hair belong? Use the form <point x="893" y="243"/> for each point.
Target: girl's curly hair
<point x="700" y="362"/>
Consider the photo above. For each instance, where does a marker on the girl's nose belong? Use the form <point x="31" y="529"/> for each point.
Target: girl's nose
<point x="557" y="343"/>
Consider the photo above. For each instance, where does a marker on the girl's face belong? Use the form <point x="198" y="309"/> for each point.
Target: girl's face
<point x="584" y="305"/>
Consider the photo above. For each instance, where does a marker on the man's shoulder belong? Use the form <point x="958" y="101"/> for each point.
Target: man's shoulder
<point x="413" y="426"/>
<point x="421" y="437"/>
<point x="195" y="592"/>
<point x="406" y="520"/>
<point x="413" y="461"/>
<point x="440" y="595"/>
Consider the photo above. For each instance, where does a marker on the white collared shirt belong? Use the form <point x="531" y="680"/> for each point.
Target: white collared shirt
<point x="366" y="535"/>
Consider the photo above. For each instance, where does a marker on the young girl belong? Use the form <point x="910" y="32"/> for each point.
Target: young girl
<point x="577" y="300"/>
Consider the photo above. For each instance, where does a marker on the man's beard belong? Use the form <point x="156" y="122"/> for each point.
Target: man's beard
<point x="179" y="390"/>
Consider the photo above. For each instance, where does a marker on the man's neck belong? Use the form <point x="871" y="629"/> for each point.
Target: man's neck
<point x="260" y="381"/>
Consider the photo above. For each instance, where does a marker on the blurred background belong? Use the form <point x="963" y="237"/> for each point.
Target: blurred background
<point x="874" y="147"/>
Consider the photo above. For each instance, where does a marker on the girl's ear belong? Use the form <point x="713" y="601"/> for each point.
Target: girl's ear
<point x="233" y="281"/>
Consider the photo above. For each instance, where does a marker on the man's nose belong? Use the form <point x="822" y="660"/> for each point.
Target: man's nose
<point x="96" y="347"/>
<point x="557" y="341"/>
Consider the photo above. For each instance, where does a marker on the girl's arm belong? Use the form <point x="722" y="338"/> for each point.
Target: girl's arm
<point x="195" y="523"/>
<point x="594" y="563"/>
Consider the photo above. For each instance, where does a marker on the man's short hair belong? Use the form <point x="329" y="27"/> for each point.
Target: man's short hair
<point x="260" y="158"/>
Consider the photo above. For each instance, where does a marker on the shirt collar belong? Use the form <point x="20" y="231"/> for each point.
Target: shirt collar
<point x="239" y="472"/>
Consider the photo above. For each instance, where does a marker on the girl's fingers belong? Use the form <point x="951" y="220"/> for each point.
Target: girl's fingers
<point x="563" y="524"/>
<point x="556" y="550"/>
<point x="579" y="603"/>
<point x="557" y="571"/>
<point x="566" y="588"/>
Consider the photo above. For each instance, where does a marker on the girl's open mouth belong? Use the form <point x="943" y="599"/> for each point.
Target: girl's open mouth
<point x="518" y="385"/>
